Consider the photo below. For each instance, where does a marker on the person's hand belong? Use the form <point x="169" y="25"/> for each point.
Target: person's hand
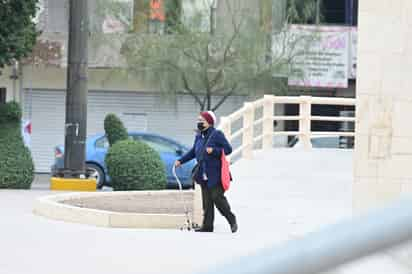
<point x="178" y="163"/>
<point x="209" y="150"/>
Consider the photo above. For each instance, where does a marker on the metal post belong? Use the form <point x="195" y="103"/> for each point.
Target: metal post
<point x="76" y="98"/>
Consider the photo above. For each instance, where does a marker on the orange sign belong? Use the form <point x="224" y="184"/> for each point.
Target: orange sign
<point x="157" y="10"/>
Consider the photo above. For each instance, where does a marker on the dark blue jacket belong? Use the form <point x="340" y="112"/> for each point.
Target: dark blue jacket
<point x="211" y="165"/>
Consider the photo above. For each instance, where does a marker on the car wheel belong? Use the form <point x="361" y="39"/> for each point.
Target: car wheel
<point x="95" y="172"/>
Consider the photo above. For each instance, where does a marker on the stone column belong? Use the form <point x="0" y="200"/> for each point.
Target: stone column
<point x="383" y="153"/>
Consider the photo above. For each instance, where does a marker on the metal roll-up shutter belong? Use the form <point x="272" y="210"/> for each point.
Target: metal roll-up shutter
<point x="139" y="112"/>
<point x="131" y="107"/>
<point x="175" y="118"/>
<point x="47" y="110"/>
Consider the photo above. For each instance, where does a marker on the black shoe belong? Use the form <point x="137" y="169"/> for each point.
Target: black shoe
<point x="204" y="229"/>
<point x="234" y="227"/>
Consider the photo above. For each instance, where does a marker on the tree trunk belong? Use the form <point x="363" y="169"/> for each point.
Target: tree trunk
<point x="209" y="100"/>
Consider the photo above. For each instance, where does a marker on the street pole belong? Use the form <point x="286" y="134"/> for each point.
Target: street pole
<point x="76" y="97"/>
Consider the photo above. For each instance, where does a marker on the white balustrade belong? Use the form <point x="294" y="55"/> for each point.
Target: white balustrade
<point x="247" y="114"/>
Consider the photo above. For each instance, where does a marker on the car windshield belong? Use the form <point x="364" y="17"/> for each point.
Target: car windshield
<point x="102" y="143"/>
<point x="159" y="144"/>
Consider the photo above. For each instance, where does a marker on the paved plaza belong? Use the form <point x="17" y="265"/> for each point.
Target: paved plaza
<point x="279" y="195"/>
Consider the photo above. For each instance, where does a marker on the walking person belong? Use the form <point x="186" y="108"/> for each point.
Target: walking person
<point x="207" y="149"/>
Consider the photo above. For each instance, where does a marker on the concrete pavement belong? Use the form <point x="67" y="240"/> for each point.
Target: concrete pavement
<point x="41" y="181"/>
<point x="277" y="196"/>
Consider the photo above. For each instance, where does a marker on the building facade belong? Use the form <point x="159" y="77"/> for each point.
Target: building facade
<point x="339" y="17"/>
<point x="40" y="85"/>
<point x="384" y="136"/>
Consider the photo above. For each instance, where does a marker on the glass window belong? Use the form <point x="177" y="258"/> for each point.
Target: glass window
<point x="334" y="12"/>
<point x="102" y="143"/>
<point x="160" y="145"/>
<point x="136" y="137"/>
<point x="303" y="12"/>
<point x="156" y="16"/>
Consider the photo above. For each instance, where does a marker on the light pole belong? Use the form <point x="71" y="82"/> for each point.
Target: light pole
<point x="76" y="97"/>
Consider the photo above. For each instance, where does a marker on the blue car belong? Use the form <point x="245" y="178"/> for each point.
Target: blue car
<point x="98" y="145"/>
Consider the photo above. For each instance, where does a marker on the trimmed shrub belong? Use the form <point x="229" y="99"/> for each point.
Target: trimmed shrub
<point x="10" y="112"/>
<point x="114" y="128"/>
<point x="16" y="164"/>
<point x="133" y="165"/>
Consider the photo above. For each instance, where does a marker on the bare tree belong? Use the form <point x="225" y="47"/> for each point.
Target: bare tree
<point x="211" y="64"/>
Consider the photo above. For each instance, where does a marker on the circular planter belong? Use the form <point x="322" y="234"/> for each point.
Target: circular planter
<point x="128" y="209"/>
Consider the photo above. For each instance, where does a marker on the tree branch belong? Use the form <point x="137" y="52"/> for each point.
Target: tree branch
<point x="204" y="102"/>
<point x="191" y="56"/>
<point x="191" y="92"/>
<point x="224" y="98"/>
<point x="185" y="82"/>
<point x="218" y="76"/>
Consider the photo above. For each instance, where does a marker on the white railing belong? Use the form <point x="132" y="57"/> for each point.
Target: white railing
<point x="267" y="105"/>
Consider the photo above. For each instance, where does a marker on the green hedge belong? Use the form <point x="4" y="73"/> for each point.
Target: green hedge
<point x="114" y="128"/>
<point x="10" y="112"/>
<point x="16" y="164"/>
<point x="133" y="165"/>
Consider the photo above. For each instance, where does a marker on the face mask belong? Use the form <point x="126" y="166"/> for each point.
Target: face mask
<point x="200" y="126"/>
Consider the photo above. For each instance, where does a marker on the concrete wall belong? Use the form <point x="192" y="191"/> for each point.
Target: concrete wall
<point x="7" y="82"/>
<point x="383" y="155"/>
<point x="40" y="77"/>
<point x="99" y="79"/>
<point x="236" y="7"/>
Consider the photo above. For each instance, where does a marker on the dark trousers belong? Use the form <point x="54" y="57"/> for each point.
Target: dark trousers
<point x="212" y="197"/>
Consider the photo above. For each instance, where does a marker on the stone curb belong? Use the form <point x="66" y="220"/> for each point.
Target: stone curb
<point x="53" y="208"/>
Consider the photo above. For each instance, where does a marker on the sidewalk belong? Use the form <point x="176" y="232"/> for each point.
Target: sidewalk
<point x="41" y="181"/>
<point x="277" y="196"/>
